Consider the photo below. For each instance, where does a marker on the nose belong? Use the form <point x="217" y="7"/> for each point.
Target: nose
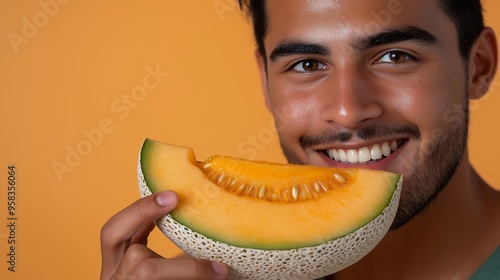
<point x="349" y="99"/>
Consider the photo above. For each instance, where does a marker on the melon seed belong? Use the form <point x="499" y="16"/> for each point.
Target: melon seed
<point x="249" y="190"/>
<point x="316" y="187"/>
<point x="240" y="189"/>
<point x="321" y="187"/>
<point x="306" y="192"/>
<point x="262" y="192"/>
<point x="268" y="183"/>
<point x="339" y="178"/>
<point x="221" y="177"/>
<point x="295" y="193"/>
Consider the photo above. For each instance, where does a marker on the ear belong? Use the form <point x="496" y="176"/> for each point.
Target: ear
<point x="261" y="62"/>
<point x="482" y="63"/>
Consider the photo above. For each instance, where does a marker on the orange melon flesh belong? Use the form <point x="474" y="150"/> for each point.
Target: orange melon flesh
<point x="252" y="222"/>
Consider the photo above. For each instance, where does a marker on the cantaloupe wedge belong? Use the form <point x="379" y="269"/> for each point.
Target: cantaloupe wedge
<point x="269" y="220"/>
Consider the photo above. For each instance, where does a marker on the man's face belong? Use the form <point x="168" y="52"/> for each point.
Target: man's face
<point x="375" y="84"/>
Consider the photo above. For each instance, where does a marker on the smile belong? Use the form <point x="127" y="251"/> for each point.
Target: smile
<point x="367" y="154"/>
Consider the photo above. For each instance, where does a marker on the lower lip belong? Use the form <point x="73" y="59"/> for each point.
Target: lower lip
<point x="379" y="165"/>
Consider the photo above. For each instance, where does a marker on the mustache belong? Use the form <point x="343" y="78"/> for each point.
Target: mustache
<point x="366" y="133"/>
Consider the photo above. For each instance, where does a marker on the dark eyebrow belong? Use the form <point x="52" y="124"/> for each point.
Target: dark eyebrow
<point x="391" y="36"/>
<point x="297" y="47"/>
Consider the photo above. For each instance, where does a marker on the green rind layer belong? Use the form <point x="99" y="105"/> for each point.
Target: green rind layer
<point x="145" y="158"/>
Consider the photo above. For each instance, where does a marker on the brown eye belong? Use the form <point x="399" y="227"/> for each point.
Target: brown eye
<point x="395" y="57"/>
<point x="308" y="65"/>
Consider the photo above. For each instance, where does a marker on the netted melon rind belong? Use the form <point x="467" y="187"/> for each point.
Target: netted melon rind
<point x="303" y="263"/>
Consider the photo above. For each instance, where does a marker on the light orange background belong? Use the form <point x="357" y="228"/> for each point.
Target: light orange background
<point x="77" y="72"/>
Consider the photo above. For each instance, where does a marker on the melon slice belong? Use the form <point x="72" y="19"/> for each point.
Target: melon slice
<point x="269" y="220"/>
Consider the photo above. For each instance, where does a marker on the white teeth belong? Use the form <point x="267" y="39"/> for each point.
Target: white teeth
<point x="342" y="155"/>
<point x="376" y="152"/>
<point x="352" y="156"/>
<point x="386" y="149"/>
<point x="364" y="154"/>
<point x="394" y="145"/>
<point x="333" y="154"/>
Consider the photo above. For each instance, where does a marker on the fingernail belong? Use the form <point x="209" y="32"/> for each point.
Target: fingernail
<point x="219" y="268"/>
<point x="166" y="198"/>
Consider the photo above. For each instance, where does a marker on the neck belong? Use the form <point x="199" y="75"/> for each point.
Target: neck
<point x="449" y="239"/>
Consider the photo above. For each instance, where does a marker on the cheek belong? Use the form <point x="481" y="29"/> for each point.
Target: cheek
<point x="294" y="112"/>
<point x="428" y="100"/>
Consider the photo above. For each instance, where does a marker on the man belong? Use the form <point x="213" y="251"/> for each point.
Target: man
<point x="345" y="80"/>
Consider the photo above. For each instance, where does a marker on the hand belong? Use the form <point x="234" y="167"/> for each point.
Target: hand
<point x="126" y="256"/>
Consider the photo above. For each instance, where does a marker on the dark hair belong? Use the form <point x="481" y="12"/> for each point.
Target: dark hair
<point x="466" y="14"/>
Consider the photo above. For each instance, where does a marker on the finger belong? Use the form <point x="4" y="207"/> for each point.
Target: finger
<point x="117" y="233"/>
<point x="142" y="235"/>
<point x="140" y="262"/>
<point x="178" y="269"/>
<point x="134" y="255"/>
